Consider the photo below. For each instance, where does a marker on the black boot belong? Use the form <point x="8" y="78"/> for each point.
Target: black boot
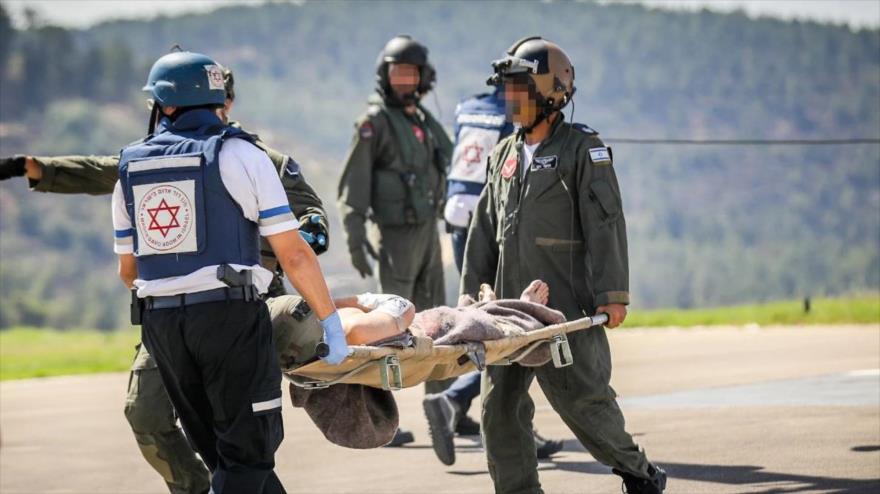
<point x="545" y="448"/>
<point x="638" y="485"/>
<point x="401" y="437"/>
<point x="467" y="426"/>
<point x="441" y="412"/>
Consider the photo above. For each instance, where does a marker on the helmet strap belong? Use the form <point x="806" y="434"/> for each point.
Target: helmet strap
<point x="154" y="119"/>
<point x="544" y="114"/>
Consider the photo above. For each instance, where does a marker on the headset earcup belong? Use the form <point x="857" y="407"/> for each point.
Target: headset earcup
<point x="427" y="78"/>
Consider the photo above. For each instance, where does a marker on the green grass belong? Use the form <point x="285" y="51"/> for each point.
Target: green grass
<point x="36" y="352"/>
<point x="862" y="309"/>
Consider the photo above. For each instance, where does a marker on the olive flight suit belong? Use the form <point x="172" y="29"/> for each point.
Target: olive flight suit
<point x="395" y="177"/>
<point x="558" y="219"/>
<point x="147" y="407"/>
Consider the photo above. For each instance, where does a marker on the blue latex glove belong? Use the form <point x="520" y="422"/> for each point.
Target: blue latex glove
<point x="334" y="337"/>
<point x="314" y="232"/>
<point x="319" y="240"/>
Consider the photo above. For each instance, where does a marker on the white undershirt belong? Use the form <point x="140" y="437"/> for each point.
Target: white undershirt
<point x="252" y="181"/>
<point x="528" y="154"/>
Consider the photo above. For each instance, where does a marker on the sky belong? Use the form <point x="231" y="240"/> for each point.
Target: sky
<point x="85" y="13"/>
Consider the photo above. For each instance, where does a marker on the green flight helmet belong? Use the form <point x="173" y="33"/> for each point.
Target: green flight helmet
<point x="184" y="79"/>
<point x="297" y="333"/>
<point x="404" y="49"/>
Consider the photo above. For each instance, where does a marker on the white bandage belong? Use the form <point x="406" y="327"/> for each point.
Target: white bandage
<point x="393" y="305"/>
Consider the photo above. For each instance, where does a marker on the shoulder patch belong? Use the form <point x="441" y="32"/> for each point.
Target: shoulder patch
<point x="366" y="130"/>
<point x="509" y="167"/>
<point x="291" y="169"/>
<point x="586" y="129"/>
<point x="600" y="155"/>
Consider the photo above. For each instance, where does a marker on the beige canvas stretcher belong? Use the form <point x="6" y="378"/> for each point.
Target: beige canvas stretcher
<point x="395" y="368"/>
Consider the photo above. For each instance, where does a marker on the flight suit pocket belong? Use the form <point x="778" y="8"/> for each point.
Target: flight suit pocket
<point x="602" y="193"/>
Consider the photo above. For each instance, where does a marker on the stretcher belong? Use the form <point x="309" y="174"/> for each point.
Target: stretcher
<point x="393" y="368"/>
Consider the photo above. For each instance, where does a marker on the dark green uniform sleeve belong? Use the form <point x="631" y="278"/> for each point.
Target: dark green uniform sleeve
<point x="355" y="185"/>
<point x="94" y="175"/>
<point x="604" y="227"/>
<point x="304" y="203"/>
<point x="303" y="199"/>
<point x="481" y="251"/>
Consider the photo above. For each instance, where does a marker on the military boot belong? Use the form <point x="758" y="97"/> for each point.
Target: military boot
<point x="545" y="448"/>
<point x="441" y="413"/>
<point x="466" y="426"/>
<point x="638" y="485"/>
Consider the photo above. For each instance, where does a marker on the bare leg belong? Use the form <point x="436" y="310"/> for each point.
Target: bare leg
<point x="537" y="292"/>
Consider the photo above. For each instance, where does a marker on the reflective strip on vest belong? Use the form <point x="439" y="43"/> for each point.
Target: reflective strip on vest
<point x="170" y="162"/>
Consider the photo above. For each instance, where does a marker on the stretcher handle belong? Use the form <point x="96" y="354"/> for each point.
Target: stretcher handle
<point x="582" y="323"/>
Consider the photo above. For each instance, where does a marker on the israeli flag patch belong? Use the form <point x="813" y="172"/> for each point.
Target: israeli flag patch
<point x="600" y="155"/>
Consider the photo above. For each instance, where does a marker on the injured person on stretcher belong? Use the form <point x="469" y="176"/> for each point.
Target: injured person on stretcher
<point x="365" y="416"/>
<point x="370" y="317"/>
<point x="386" y="319"/>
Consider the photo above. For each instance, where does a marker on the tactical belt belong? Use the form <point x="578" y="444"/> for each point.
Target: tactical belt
<point x="247" y="293"/>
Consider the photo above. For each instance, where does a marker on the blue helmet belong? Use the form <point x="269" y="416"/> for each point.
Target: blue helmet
<point x="186" y="78"/>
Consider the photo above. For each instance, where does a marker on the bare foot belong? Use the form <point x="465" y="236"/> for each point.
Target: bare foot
<point x="486" y="293"/>
<point x="537" y="292"/>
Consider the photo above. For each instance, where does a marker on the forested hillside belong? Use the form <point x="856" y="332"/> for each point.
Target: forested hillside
<point x="707" y="225"/>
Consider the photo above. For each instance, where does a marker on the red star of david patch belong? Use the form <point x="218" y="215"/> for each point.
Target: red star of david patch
<point x="472" y="153"/>
<point x="172" y="218"/>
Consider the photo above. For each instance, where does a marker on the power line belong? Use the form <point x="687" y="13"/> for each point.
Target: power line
<point x="744" y="142"/>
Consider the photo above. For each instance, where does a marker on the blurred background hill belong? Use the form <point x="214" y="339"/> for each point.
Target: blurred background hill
<point x="708" y="226"/>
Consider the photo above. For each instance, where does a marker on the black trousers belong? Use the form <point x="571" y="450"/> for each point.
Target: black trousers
<point x="219" y="367"/>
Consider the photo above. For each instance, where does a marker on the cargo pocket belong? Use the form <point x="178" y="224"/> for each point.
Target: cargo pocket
<point x="602" y="193"/>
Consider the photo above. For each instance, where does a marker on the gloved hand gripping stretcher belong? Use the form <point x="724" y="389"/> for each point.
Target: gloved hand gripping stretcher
<point x="441" y="343"/>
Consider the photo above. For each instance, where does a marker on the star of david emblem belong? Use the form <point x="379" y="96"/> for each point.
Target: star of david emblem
<point x="472" y="153"/>
<point x="171" y="218"/>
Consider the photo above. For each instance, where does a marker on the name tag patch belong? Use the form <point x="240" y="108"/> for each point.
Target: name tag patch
<point x="600" y="154"/>
<point x="165" y="217"/>
<point x="544" y="163"/>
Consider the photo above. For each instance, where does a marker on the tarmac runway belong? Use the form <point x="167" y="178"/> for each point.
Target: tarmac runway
<point x="723" y="410"/>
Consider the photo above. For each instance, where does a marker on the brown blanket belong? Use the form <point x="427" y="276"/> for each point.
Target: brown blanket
<point x="490" y="320"/>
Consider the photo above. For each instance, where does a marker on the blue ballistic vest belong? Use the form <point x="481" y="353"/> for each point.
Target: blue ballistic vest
<point x="480" y="123"/>
<point x="183" y="217"/>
